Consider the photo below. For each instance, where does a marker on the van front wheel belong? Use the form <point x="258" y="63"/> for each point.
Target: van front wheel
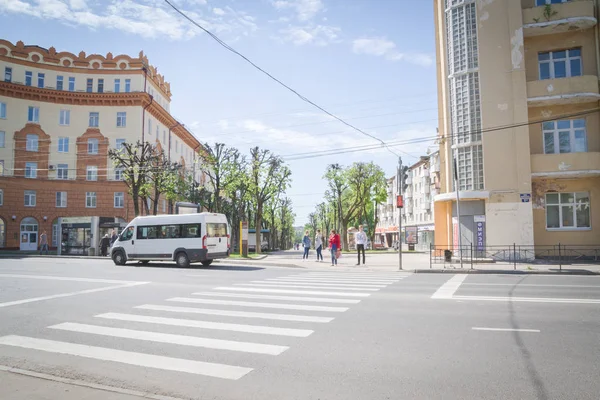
<point x="182" y="260"/>
<point x="206" y="263"/>
<point x="119" y="258"/>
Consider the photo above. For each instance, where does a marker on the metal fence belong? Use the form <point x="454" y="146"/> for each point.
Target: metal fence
<point x="472" y="255"/>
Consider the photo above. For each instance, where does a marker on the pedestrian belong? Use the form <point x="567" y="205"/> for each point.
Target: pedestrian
<point x="113" y="237"/>
<point x="361" y="242"/>
<point x="319" y="245"/>
<point x="334" y="246"/>
<point x="104" y="244"/>
<point x="306" y="243"/>
<point x="43" y="243"/>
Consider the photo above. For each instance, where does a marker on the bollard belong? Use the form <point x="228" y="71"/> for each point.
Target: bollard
<point x="559" y="258"/>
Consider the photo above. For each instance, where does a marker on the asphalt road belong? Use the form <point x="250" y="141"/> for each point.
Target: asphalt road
<point x="86" y="329"/>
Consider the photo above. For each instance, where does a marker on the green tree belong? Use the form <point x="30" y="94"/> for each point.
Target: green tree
<point x="268" y="177"/>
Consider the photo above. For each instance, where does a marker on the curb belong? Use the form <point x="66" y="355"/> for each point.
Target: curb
<point x="505" y="272"/>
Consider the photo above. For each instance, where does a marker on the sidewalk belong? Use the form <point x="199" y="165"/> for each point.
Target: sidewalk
<point x="412" y="262"/>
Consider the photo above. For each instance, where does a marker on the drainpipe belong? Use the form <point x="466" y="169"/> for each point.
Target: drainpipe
<point x="170" y="129"/>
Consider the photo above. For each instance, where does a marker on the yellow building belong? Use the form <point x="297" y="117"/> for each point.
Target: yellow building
<point x="518" y="115"/>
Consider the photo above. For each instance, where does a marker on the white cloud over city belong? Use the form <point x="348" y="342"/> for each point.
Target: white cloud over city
<point x="382" y="47"/>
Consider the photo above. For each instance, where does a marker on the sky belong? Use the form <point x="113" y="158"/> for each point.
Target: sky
<point x="369" y="62"/>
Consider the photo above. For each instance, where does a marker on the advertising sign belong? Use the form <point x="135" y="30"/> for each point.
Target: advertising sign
<point x="480" y="227"/>
<point x="411" y="235"/>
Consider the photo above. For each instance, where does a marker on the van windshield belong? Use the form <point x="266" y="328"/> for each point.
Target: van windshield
<point x="216" y="230"/>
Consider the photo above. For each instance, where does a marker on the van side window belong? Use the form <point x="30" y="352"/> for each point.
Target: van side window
<point x="214" y="230"/>
<point x="147" y="232"/>
<point x="191" y="231"/>
<point x="171" y="231"/>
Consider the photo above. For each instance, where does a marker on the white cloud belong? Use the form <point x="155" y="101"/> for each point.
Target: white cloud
<point x="146" y="18"/>
<point x="319" y="35"/>
<point x="382" y="47"/>
<point x="218" y="11"/>
<point x="304" y="9"/>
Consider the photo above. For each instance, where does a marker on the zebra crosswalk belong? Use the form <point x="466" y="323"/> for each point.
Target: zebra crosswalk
<point x="288" y="308"/>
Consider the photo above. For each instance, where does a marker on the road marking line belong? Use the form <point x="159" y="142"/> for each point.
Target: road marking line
<point x="58" y="296"/>
<point x="527" y="299"/>
<point x="266" y="330"/>
<point x="269" y="297"/>
<point x="244" y="314"/>
<point x="66" y="278"/>
<point x="282" y="285"/>
<point x="239" y="289"/>
<point x="447" y="290"/>
<point x="322" y="280"/>
<point x="260" y="305"/>
<point x="506" y="330"/>
<point x="351" y="276"/>
<point x="246" y="347"/>
<point x="532" y="284"/>
<point x="127" y="357"/>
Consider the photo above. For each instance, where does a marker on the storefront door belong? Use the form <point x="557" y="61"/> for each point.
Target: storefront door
<point x="29" y="234"/>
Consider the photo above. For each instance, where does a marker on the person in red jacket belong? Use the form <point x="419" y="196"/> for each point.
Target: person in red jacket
<point x="334" y="245"/>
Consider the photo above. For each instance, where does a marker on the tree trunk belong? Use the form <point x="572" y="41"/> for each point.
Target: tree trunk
<point x="155" y="205"/>
<point x="258" y="226"/>
<point x="136" y="203"/>
<point x="344" y="235"/>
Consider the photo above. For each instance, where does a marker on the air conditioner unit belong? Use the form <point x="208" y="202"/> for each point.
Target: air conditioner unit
<point x="51" y="167"/>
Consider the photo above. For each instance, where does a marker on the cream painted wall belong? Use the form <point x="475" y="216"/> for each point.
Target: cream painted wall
<point x="18" y="76"/>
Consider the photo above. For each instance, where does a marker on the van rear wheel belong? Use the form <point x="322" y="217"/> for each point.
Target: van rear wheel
<point x="182" y="260"/>
<point x="206" y="263"/>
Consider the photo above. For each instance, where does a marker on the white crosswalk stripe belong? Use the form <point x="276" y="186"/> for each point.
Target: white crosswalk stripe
<point x="297" y="304"/>
<point x="273" y="297"/>
<point x="265" y="330"/>
<point x="299" y="307"/>
<point x="282" y="285"/>
<point x="243" y="314"/>
<point x="194" y="341"/>
<point x="127" y="357"/>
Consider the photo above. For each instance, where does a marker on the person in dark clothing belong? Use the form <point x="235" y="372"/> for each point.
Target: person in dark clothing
<point x="104" y="244"/>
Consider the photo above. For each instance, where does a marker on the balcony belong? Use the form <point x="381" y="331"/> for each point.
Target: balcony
<point x="573" y="90"/>
<point x="569" y="16"/>
<point x="567" y="165"/>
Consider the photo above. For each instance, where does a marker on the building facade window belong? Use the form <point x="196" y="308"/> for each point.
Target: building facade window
<point x="119" y="199"/>
<point x="127" y="85"/>
<point x="544" y="2"/>
<point x="28" y="78"/>
<point x="65" y="117"/>
<point x="33" y="114"/>
<point x="71" y="84"/>
<point x="30" y="198"/>
<point x="465" y="101"/>
<point x="560" y="64"/>
<point x="31" y="170"/>
<point x="117" y="85"/>
<point x="100" y="85"/>
<point x="2" y="138"/>
<point x="119" y="144"/>
<point x="63" y="144"/>
<point x="41" y="78"/>
<point x="62" y="171"/>
<point x="7" y="74"/>
<point x="92" y="146"/>
<point x="164" y="137"/>
<point x="121" y="119"/>
<point x="90" y="199"/>
<point x="2" y="110"/>
<point x="118" y="174"/>
<point x="89" y="87"/>
<point x="1" y="197"/>
<point x="94" y="119"/>
<point x="92" y="173"/>
<point x="568" y="210"/>
<point x="61" y="199"/>
<point x="1" y="167"/>
<point x="31" y="142"/>
<point x="60" y="80"/>
<point x="565" y="136"/>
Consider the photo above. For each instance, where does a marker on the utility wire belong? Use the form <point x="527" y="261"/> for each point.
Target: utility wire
<point x="302" y="97"/>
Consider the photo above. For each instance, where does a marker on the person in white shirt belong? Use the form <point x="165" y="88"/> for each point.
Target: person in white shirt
<point x="361" y="242"/>
<point x="319" y="245"/>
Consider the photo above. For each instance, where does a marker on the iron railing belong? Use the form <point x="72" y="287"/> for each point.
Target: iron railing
<point x="514" y="254"/>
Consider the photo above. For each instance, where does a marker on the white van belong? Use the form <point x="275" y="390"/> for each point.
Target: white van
<point x="184" y="238"/>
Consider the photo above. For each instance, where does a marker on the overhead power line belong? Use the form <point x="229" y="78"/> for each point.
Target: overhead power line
<point x="300" y="96"/>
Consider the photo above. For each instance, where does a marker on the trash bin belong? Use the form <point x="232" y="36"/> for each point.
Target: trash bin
<point x="411" y="247"/>
<point x="91" y="251"/>
<point x="447" y="255"/>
